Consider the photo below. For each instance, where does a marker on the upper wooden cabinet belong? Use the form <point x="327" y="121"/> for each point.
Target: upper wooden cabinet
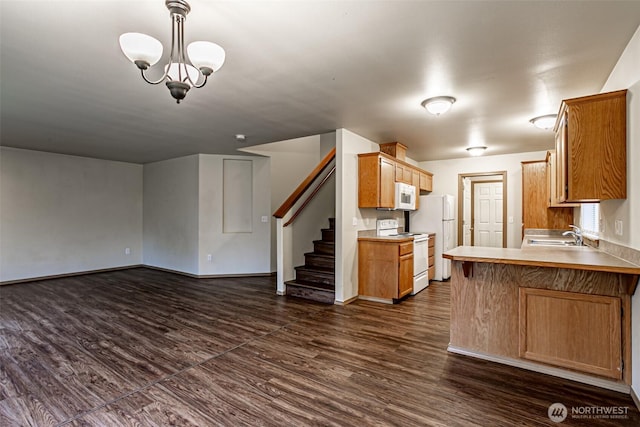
<point x="553" y="201"/>
<point x="426" y="181"/>
<point x="377" y="174"/>
<point x="404" y="173"/>
<point x="535" y="210"/>
<point x="591" y="148"/>
<point x="376" y="181"/>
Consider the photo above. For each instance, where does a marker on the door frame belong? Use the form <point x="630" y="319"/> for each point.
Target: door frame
<point x="461" y="177"/>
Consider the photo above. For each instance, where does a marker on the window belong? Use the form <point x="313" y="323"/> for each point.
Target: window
<point x="590" y="218"/>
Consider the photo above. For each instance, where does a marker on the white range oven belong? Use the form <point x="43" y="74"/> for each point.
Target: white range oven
<point x="389" y="227"/>
<point x="420" y="262"/>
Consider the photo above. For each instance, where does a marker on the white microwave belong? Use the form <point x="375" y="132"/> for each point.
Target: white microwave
<point x="405" y="197"/>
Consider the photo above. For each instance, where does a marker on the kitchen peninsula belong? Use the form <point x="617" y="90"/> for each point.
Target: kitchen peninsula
<point x="562" y="311"/>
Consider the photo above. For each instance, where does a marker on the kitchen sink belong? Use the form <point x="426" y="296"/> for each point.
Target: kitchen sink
<point x="550" y="242"/>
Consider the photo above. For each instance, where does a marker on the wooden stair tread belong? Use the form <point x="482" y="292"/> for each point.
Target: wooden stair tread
<point x="311" y="285"/>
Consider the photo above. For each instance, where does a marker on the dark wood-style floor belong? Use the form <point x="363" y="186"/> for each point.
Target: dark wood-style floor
<point x="147" y="348"/>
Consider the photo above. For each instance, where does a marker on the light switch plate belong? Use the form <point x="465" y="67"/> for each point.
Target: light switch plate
<point x="264" y="218"/>
<point x="619" y="228"/>
<point x="355" y="222"/>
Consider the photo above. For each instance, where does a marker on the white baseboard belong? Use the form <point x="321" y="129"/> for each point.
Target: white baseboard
<point x="549" y="370"/>
<point x="347" y="301"/>
<point x="635" y="398"/>
<point x="75" y="273"/>
<point x="376" y="299"/>
<point x="127" y="267"/>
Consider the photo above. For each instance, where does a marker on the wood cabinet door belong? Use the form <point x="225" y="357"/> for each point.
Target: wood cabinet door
<point x="426" y="182"/>
<point x="415" y="181"/>
<point x="571" y="330"/>
<point x="561" y="161"/>
<point x="405" y="274"/>
<point x="535" y="210"/>
<point x="377" y="269"/>
<point x="591" y="141"/>
<point x="403" y="173"/>
<point x="386" y="184"/>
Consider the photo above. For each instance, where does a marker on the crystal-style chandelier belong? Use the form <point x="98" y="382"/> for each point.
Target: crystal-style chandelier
<point x="184" y="70"/>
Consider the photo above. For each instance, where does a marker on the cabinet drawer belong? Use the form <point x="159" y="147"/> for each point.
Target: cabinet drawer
<point x="432" y="261"/>
<point x="406" y="248"/>
<point x="432" y="251"/>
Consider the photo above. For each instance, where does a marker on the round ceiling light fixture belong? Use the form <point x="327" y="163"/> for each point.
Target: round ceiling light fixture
<point x="476" y="150"/>
<point x="545" y="122"/>
<point x="439" y="104"/>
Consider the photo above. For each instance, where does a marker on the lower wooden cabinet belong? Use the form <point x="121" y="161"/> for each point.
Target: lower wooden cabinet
<point x="385" y="269"/>
<point x="572" y="330"/>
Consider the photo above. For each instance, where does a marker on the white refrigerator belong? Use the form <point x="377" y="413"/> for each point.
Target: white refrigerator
<point x="437" y="214"/>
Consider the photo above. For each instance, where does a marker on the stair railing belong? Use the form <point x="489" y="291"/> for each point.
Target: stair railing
<point x="284" y="217"/>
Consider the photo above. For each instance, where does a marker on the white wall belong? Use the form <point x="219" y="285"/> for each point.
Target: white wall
<point x="291" y="162"/>
<point x="232" y="253"/>
<point x="64" y="214"/>
<point x="348" y="146"/>
<point x="183" y="218"/>
<point x="171" y="214"/>
<point x="626" y="75"/>
<point x="445" y="181"/>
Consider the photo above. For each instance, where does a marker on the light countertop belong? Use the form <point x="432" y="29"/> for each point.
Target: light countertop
<point x="576" y="258"/>
<point x="371" y="236"/>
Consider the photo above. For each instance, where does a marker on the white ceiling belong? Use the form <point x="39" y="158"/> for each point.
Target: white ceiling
<point x="300" y="68"/>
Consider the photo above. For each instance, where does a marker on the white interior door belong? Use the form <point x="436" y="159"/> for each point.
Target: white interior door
<point x="487" y="216"/>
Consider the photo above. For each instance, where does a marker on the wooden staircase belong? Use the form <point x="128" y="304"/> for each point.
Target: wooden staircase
<point x="315" y="280"/>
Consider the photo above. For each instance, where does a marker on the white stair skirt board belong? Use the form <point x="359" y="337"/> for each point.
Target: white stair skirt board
<point x="549" y="370"/>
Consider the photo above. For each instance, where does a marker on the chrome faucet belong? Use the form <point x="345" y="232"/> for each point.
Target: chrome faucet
<point x="576" y="233"/>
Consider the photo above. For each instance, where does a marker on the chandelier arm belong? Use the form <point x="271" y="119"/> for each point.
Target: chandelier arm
<point x="181" y="56"/>
<point x="150" y="81"/>
<point x="203" y="83"/>
<point x="185" y="59"/>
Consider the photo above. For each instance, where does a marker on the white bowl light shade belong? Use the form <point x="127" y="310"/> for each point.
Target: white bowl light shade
<point x="544" y="122"/>
<point x="477" y="150"/>
<point x="141" y="47"/>
<point x="439" y="104"/>
<point x="174" y="73"/>
<point x="206" y="54"/>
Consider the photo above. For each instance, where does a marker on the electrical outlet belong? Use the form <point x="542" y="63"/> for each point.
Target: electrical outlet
<point x="618" y="226"/>
<point x="127" y="251"/>
<point x="510" y="220"/>
<point x="355" y="222"/>
<point x="209" y="257"/>
<point x="264" y="218"/>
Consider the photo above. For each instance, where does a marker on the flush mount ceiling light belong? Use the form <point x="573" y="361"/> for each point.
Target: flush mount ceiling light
<point x="185" y="69"/>
<point x="438" y="104"/>
<point x="477" y="150"/>
<point x="544" y="122"/>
